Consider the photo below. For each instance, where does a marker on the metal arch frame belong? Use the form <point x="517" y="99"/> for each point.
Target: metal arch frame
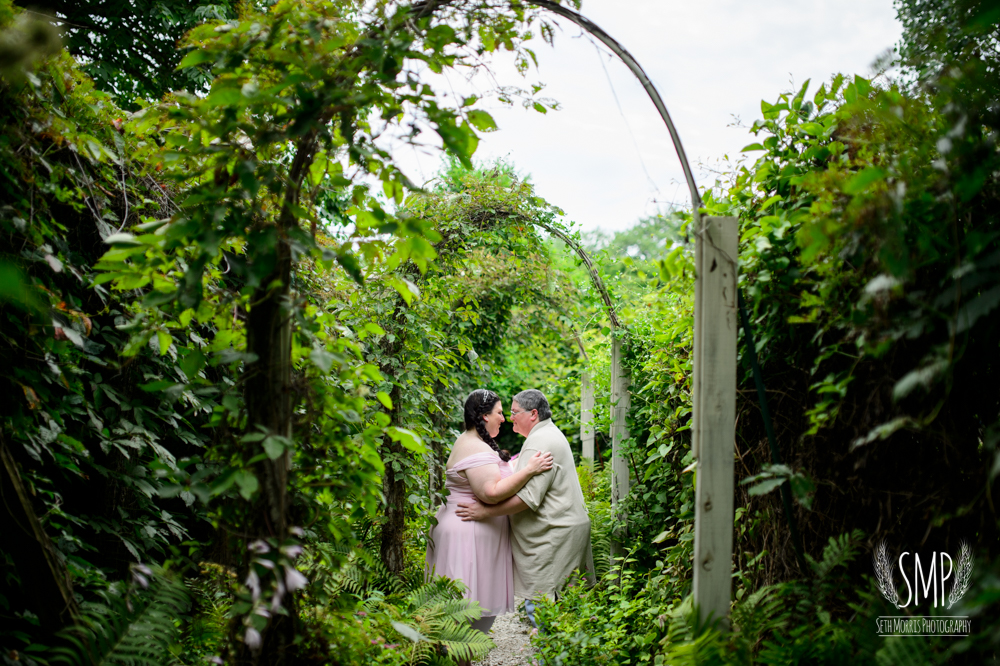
<point x="696" y="204"/>
<point x="640" y="74"/>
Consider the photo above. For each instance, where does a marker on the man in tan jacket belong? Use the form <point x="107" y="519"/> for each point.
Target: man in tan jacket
<point x="550" y="528"/>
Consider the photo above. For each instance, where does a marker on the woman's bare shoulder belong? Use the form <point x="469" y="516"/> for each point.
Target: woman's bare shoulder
<point x="465" y="446"/>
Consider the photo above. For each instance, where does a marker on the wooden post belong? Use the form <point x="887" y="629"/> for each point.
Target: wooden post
<point x="587" y="418"/>
<point x="619" y="464"/>
<point x="714" y="417"/>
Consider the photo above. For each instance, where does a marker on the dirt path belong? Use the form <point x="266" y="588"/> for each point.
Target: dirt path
<point x="512" y="646"/>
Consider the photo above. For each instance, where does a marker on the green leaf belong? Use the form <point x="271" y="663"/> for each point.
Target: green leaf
<point x="812" y="129"/>
<point x="274" y="446"/>
<point x="14" y="288"/>
<point x="752" y="147"/>
<point x="850" y="93"/>
<point x="406" y="289"/>
<point x="773" y="200"/>
<point x="322" y="359"/>
<point x="772" y="111"/>
<point x="231" y="403"/>
<point x="863" y="86"/>
<point x="661" y="537"/>
<point x="797" y="101"/>
<point x="247" y="482"/>
<point x="921" y="377"/>
<point x="765" y="486"/>
<point x="122" y="239"/>
<point x="408" y="632"/>
<point x="165" y="340"/>
<point x="127" y="282"/>
<point x="384" y="398"/>
<point x="860" y="181"/>
<point x="981" y="305"/>
<point x="838" y="81"/>
<point x="195" y="57"/>
<point x="192" y="364"/>
<point x="226" y="93"/>
<point x="802" y="490"/>
<point x="350" y="264"/>
<point x="820" y="96"/>
<point x="482" y="121"/>
<point x="223" y="482"/>
<point x="157" y="386"/>
<point x="409" y="439"/>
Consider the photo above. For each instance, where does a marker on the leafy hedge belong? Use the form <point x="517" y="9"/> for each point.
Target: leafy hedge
<point x="868" y="259"/>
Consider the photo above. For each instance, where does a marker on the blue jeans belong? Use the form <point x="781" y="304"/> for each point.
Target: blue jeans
<point x="529" y="608"/>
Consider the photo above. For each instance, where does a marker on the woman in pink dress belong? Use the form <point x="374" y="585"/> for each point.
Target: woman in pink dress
<point x="477" y="553"/>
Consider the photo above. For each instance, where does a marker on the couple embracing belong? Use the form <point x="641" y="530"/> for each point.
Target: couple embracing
<point x="511" y="530"/>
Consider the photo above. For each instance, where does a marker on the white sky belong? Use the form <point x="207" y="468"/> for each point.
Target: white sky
<point x="711" y="60"/>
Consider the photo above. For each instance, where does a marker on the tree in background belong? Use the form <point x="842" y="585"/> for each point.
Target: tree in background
<point x="206" y="276"/>
<point x="130" y="47"/>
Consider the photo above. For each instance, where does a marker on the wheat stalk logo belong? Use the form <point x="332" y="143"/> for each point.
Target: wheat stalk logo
<point x="883" y="573"/>
<point x="963" y="573"/>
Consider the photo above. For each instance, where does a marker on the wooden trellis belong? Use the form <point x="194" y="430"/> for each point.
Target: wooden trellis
<point x="620" y="399"/>
<point x="587" y="418"/>
<point x="716" y="321"/>
<point x="714" y="417"/>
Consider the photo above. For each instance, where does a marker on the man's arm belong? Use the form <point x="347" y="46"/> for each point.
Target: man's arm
<point x="478" y="511"/>
<point x="489" y="487"/>
<point x="533" y="492"/>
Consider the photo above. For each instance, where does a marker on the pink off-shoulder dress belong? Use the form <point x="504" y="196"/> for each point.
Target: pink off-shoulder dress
<point x="475" y="552"/>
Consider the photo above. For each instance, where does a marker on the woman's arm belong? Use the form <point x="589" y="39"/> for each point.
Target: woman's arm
<point x="491" y="489"/>
<point x="479" y="511"/>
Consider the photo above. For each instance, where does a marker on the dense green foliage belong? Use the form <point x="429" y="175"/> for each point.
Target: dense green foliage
<point x="130" y="48"/>
<point x="868" y="257"/>
<point x="138" y="432"/>
<point x="234" y="365"/>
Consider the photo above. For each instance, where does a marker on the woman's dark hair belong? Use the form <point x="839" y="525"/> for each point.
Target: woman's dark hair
<point x="480" y="403"/>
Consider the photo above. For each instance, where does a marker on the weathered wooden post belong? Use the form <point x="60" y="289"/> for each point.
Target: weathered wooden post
<point x="714" y="418"/>
<point x="620" y="399"/>
<point x="587" y="418"/>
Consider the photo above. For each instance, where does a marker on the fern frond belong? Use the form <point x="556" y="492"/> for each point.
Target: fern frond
<point x="112" y="634"/>
<point x="372" y="603"/>
<point x="838" y="552"/>
<point x="437" y="590"/>
<point x="708" y="649"/>
<point x="351" y="569"/>
<point x="904" y="651"/>
<point x="438" y="620"/>
<point x="461" y="610"/>
<point x="464" y="642"/>
<point x="600" y="543"/>
<point x="763" y="613"/>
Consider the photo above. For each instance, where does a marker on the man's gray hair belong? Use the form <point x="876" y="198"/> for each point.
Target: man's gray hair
<point x="534" y="399"/>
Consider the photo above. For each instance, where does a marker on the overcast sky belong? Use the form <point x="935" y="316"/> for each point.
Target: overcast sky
<point x="608" y="163"/>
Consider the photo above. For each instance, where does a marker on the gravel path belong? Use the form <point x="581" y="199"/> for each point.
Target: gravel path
<point x="510" y="634"/>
